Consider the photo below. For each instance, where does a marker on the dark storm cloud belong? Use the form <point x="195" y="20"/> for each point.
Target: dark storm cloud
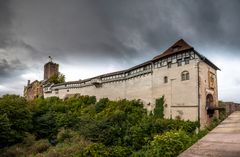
<point x="10" y="69"/>
<point x="112" y="32"/>
<point x="5" y="22"/>
<point x="122" y="29"/>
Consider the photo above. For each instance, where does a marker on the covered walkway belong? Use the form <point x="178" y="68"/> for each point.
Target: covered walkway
<point x="223" y="141"/>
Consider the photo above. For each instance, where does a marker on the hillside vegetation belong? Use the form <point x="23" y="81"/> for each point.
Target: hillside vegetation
<point x="80" y="126"/>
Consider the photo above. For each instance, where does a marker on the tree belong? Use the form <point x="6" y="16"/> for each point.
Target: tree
<point x="57" y="79"/>
<point x="15" y="119"/>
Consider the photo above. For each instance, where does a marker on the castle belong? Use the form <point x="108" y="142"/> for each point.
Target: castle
<point x="186" y="79"/>
<point x="35" y="89"/>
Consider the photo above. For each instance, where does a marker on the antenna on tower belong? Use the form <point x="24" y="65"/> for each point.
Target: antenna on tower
<point x="50" y="58"/>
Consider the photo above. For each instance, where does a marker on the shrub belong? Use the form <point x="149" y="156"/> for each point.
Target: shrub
<point x="96" y="149"/>
<point x="101" y="104"/>
<point x="39" y="146"/>
<point x="159" y="108"/>
<point x="88" y="100"/>
<point x="169" y="144"/>
<point x="65" y="134"/>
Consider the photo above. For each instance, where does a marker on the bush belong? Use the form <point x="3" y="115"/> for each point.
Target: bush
<point x="159" y="108"/>
<point x="39" y="146"/>
<point x="96" y="149"/>
<point x="66" y="134"/>
<point x="101" y="104"/>
<point x="169" y="144"/>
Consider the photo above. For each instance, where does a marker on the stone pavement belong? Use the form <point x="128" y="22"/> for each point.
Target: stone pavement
<point x="222" y="141"/>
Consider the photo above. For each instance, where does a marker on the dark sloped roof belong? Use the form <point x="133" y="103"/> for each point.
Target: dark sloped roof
<point x="179" y="46"/>
<point x="207" y="61"/>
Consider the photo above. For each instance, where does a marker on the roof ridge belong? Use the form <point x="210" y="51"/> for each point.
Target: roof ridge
<point x="180" y="45"/>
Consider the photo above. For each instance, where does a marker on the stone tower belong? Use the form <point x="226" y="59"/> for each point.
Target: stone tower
<point x="50" y="69"/>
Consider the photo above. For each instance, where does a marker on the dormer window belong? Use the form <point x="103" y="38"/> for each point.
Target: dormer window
<point x="176" y="48"/>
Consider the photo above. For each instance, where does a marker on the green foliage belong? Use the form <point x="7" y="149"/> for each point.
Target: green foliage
<point x="44" y="125"/>
<point x="96" y="149"/>
<point x="169" y="144"/>
<point x="159" y="108"/>
<point x="5" y="129"/>
<point x="27" y="148"/>
<point x="60" y="78"/>
<point x="80" y="126"/>
<point x="66" y="134"/>
<point x="101" y="104"/>
<point x="15" y="119"/>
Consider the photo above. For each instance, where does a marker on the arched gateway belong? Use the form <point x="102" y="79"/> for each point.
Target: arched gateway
<point x="210" y="106"/>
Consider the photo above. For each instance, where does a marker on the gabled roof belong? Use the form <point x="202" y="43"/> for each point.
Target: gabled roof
<point x="179" y="46"/>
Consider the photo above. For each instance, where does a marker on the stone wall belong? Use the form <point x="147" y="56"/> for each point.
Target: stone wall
<point x="231" y="107"/>
<point x="204" y="70"/>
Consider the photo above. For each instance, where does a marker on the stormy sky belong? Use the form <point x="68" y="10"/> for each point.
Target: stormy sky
<point x="92" y="37"/>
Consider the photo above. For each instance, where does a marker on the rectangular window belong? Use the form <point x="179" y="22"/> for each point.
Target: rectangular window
<point x="165" y="79"/>
<point x="169" y="64"/>
<point x="179" y="56"/>
<point x="186" y="60"/>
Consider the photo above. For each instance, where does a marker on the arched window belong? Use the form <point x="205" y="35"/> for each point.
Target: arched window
<point x="165" y="79"/>
<point x="185" y="75"/>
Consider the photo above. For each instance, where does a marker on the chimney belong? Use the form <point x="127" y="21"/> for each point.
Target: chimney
<point x="28" y="83"/>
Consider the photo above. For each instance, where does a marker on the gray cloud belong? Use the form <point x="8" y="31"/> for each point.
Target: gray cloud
<point x="88" y="33"/>
<point x="122" y="29"/>
<point x="5" y="20"/>
<point x="10" y="69"/>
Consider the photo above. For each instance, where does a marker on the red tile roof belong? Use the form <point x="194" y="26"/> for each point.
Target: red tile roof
<point x="179" y="46"/>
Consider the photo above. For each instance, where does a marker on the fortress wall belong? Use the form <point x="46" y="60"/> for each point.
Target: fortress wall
<point x="149" y="87"/>
<point x="139" y="88"/>
<point x="112" y="90"/>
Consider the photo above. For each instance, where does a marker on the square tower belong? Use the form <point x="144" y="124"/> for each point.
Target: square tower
<point x="50" y="69"/>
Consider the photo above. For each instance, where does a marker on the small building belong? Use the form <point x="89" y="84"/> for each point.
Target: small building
<point x="33" y="90"/>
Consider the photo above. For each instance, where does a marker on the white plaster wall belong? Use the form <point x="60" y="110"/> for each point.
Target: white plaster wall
<point x="177" y="92"/>
<point x="181" y="97"/>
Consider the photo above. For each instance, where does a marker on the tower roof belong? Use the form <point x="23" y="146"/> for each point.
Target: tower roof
<point x="179" y="46"/>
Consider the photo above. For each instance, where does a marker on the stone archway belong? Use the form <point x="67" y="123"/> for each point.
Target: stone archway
<point x="210" y="105"/>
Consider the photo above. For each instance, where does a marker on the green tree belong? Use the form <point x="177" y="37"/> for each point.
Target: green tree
<point x="15" y="119"/>
<point x="60" y="78"/>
